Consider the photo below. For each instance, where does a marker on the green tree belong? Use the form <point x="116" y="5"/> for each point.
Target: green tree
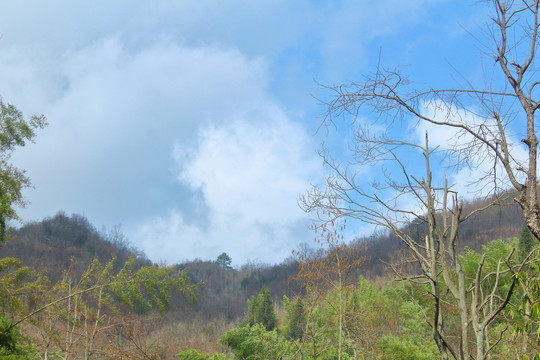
<point x="295" y="319"/>
<point x="261" y="310"/>
<point x="413" y="339"/>
<point x="19" y="286"/>
<point x="224" y="261"/>
<point x="13" y="346"/>
<point x="15" y="131"/>
<point x="192" y="354"/>
<point x="257" y="343"/>
<point x="526" y="242"/>
<point x="83" y="309"/>
<point x="20" y="289"/>
<point x="325" y="273"/>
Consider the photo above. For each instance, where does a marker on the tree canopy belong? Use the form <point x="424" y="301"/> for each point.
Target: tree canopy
<point x="15" y="132"/>
<point x="261" y="310"/>
<point x="224" y="260"/>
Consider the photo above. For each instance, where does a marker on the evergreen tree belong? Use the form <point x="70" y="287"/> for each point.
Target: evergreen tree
<point x="526" y="242"/>
<point x="261" y="310"/>
<point x="224" y="260"/>
<point x="296" y="319"/>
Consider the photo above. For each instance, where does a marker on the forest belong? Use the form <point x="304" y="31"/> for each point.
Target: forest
<point x="335" y="301"/>
<point x="443" y="276"/>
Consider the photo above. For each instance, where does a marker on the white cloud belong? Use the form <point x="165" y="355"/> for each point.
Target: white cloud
<point x="115" y="116"/>
<point x="124" y="83"/>
<point x="172" y="239"/>
<point x="251" y="169"/>
<point x="250" y="174"/>
<point x="118" y="117"/>
<point x="114" y="122"/>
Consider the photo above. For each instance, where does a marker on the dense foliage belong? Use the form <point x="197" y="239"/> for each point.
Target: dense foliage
<point x="261" y="310"/>
<point x="15" y="132"/>
<point x="383" y="319"/>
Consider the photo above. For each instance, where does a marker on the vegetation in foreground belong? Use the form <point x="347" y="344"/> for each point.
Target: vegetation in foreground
<point x="450" y="301"/>
<point x="385" y="319"/>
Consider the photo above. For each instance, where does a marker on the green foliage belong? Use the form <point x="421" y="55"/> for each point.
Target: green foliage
<point x="382" y="321"/>
<point x="295" y="318"/>
<point x="80" y="308"/>
<point x="13" y="346"/>
<point x="495" y="253"/>
<point x="191" y="354"/>
<point x="224" y="261"/>
<point x="368" y="314"/>
<point x="8" y="339"/>
<point x="526" y="315"/>
<point x="20" y="288"/>
<point x="499" y="268"/>
<point x="14" y="132"/>
<point x="526" y="242"/>
<point x="371" y="313"/>
<point x="261" y="310"/>
<point x="147" y="288"/>
<point x="257" y="343"/>
<point x="378" y="323"/>
<point x="413" y="342"/>
<point x="405" y="349"/>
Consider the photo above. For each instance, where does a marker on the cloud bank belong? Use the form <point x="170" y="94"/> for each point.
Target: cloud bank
<point x="249" y="175"/>
<point x="190" y="123"/>
<point x="124" y="127"/>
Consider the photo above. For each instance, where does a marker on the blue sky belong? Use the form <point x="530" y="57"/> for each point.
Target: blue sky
<point x="193" y="123"/>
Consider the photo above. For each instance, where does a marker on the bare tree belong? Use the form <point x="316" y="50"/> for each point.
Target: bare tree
<point x="484" y="121"/>
<point x="429" y="228"/>
<point x="323" y="271"/>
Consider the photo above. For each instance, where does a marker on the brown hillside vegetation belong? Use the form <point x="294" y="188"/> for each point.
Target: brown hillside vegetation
<point x="501" y="221"/>
<point x="50" y="246"/>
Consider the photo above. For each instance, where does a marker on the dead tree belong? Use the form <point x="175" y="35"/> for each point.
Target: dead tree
<point x="483" y="120"/>
<point x="478" y="298"/>
<point x="484" y="124"/>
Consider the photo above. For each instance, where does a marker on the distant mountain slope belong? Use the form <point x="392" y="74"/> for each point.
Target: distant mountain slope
<point x="495" y="222"/>
<point x="49" y="245"/>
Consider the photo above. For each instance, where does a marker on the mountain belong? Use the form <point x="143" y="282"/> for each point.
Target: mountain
<point x="53" y="244"/>
<point x="501" y="221"/>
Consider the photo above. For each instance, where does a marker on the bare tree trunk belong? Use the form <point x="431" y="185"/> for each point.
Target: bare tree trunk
<point x="498" y="111"/>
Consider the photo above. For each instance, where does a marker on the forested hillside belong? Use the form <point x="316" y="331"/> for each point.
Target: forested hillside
<point x="63" y="242"/>
<point x="51" y="244"/>
<point x="445" y="176"/>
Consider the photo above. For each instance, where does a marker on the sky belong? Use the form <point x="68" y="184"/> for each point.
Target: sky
<point x="193" y="124"/>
